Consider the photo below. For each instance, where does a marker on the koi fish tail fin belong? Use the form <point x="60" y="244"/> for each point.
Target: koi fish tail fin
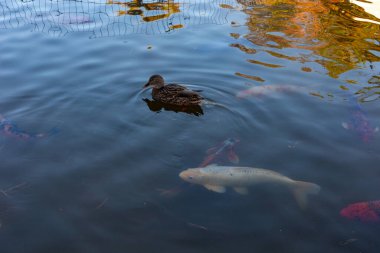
<point x="302" y="189"/>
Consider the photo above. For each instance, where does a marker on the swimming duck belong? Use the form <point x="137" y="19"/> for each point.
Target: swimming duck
<point x="172" y="94"/>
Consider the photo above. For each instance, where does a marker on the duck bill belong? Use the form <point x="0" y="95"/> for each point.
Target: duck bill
<point x="146" y="85"/>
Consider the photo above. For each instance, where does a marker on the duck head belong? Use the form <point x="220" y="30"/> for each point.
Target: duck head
<point x="155" y="81"/>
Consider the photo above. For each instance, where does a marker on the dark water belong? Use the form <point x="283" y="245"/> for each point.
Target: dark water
<point x="104" y="180"/>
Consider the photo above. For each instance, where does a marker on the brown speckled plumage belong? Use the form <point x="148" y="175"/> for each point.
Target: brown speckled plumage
<point x="172" y="94"/>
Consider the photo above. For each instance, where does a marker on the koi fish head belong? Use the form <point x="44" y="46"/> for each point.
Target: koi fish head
<point x="362" y="211"/>
<point x="194" y="176"/>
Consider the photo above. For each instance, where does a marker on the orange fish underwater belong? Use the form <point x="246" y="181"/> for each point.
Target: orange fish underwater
<point x="266" y="90"/>
<point x="360" y="124"/>
<point x="8" y="128"/>
<point x="363" y="211"/>
<point x="220" y="152"/>
<point x="223" y="151"/>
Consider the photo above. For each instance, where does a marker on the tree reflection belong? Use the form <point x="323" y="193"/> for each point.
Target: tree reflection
<point x="337" y="41"/>
<point x="148" y="11"/>
<point x="111" y="17"/>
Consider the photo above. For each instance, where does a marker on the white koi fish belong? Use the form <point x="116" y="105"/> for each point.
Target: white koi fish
<point x="266" y="90"/>
<point x="217" y="178"/>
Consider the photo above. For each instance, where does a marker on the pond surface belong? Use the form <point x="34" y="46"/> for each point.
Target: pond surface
<point x="88" y="166"/>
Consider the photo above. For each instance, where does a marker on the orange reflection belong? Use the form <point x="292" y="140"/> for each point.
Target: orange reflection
<point x="329" y="29"/>
<point x="138" y="7"/>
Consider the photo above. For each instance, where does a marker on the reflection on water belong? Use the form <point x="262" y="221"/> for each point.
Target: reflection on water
<point x="328" y="32"/>
<point x="138" y="7"/>
<point x="111" y="18"/>
<point x="371" y="7"/>
<point x="95" y="186"/>
<point x="156" y="106"/>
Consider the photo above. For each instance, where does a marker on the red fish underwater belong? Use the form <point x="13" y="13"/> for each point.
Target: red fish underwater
<point x="363" y="211"/>
<point x="360" y="124"/>
<point x="266" y="90"/>
<point x="220" y="151"/>
<point x="10" y="129"/>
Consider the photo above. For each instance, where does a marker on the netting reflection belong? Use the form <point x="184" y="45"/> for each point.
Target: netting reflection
<point x="111" y="17"/>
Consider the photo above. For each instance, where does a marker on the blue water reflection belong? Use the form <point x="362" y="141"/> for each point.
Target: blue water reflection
<point x="284" y="77"/>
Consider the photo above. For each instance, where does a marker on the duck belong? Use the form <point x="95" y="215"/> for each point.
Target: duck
<point x="172" y="94"/>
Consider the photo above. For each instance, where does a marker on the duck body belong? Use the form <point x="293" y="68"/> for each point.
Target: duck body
<point x="172" y="94"/>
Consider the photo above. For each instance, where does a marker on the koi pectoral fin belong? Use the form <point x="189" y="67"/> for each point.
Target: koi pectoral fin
<point x="216" y="188"/>
<point x="241" y="190"/>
